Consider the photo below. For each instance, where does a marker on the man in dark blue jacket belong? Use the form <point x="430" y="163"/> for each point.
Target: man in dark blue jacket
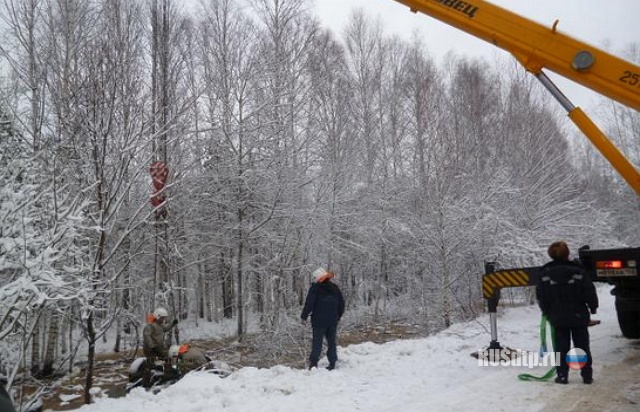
<point x="325" y="304"/>
<point x="566" y="295"/>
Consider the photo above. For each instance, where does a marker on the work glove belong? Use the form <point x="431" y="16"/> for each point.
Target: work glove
<point x="175" y="322"/>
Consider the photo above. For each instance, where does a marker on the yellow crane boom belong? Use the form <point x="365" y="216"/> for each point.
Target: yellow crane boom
<point x="538" y="47"/>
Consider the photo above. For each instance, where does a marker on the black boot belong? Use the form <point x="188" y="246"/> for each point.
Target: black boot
<point x="561" y="380"/>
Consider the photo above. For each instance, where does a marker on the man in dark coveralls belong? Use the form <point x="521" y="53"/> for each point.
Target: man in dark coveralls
<point x="325" y="304"/>
<point x="566" y="295"/>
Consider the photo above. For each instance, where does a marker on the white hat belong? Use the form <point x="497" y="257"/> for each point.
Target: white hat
<point x="160" y="313"/>
<point x="318" y="273"/>
<point x="321" y="274"/>
<point x="174" y="351"/>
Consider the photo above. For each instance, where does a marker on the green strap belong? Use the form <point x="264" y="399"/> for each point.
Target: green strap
<point x="543" y="349"/>
<point x="543" y="335"/>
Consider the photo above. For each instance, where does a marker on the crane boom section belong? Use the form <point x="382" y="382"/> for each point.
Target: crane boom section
<point x="538" y="47"/>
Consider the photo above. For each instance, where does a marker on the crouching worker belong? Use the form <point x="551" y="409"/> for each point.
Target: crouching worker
<point x="190" y="358"/>
<point x="154" y="346"/>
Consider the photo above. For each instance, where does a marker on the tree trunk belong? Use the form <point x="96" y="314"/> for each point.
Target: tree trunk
<point x="445" y="292"/>
<point x="35" y="350"/>
<point x="116" y="346"/>
<point x="260" y="296"/>
<point x="71" y="349"/>
<point x="63" y="339"/>
<point x="91" y="339"/>
<point x="227" y="289"/>
<point x="239" y="295"/>
<point x="52" y="342"/>
<point x="201" y="291"/>
<point x="208" y="297"/>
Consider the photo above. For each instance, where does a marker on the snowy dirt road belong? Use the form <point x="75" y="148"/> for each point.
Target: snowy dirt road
<point x="616" y="386"/>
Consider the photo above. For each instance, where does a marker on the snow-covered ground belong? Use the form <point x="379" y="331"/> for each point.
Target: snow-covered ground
<point x="432" y="374"/>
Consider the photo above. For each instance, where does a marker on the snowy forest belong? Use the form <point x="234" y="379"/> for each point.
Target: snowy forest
<point x="208" y="158"/>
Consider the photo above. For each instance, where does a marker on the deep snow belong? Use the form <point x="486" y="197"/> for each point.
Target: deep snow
<point x="431" y="374"/>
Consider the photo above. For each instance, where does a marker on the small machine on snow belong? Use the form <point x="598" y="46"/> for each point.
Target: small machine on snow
<point x="180" y="362"/>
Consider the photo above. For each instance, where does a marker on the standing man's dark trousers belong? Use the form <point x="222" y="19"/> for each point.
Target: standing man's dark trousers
<point x="319" y="333"/>
<point x="580" y="337"/>
<point x="147" y="367"/>
<point x="150" y="364"/>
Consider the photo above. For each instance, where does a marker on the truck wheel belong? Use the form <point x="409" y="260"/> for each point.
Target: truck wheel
<point x="629" y="323"/>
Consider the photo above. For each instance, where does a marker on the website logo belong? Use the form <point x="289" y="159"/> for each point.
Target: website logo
<point x="576" y="358"/>
<point x="507" y="357"/>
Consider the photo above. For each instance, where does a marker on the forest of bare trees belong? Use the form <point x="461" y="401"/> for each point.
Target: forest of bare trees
<point x="286" y="147"/>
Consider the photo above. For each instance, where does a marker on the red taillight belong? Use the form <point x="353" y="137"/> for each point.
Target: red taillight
<point x="609" y="264"/>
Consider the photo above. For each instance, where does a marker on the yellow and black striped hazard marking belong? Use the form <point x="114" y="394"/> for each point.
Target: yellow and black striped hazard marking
<point x="504" y="279"/>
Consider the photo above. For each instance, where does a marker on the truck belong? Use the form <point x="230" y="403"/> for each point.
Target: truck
<point x="538" y="48"/>
<point x="620" y="268"/>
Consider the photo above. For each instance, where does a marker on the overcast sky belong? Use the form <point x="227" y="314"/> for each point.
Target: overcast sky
<point x="593" y="21"/>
